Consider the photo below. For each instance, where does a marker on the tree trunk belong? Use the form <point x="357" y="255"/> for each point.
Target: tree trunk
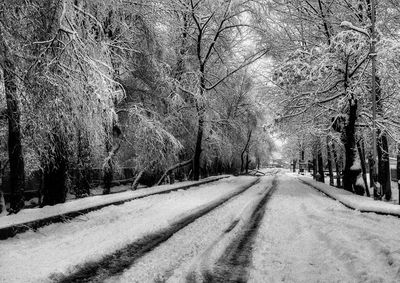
<point x="371" y="163"/>
<point x="337" y="165"/>
<point x="398" y="169"/>
<point x="54" y="182"/>
<point x="3" y="209"/>
<point x="108" y="166"/>
<point x="136" y="181"/>
<point x="294" y="165"/>
<point x="174" y="167"/>
<point x="329" y="157"/>
<point x="384" y="166"/>
<point x="315" y="167"/>
<point x="198" y="149"/>
<point x="243" y="165"/>
<point x="15" y="154"/>
<point x="83" y="177"/>
<point x="361" y="153"/>
<point x="349" y="141"/>
<point x="55" y="168"/>
<point x="320" y="166"/>
<point x="247" y="163"/>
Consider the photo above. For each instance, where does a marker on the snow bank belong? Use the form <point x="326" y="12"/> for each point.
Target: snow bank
<point x="37" y="217"/>
<point x="360" y="203"/>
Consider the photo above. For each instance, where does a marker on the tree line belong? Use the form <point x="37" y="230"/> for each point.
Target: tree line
<point x="326" y="82"/>
<point x="150" y="85"/>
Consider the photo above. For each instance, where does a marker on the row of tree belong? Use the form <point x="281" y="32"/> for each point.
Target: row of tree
<point x="151" y="85"/>
<point x="326" y="83"/>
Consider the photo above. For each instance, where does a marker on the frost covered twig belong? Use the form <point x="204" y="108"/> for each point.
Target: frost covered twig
<point x="349" y="25"/>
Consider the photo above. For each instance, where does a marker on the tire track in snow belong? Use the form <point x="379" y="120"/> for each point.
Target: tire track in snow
<point x="231" y="265"/>
<point x="12" y="230"/>
<point x="115" y="263"/>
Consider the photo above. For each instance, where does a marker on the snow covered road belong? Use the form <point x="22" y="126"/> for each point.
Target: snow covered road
<point x="307" y="237"/>
<point x="63" y="247"/>
<point x="279" y="229"/>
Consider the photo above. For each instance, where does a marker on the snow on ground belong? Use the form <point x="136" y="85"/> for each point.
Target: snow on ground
<point x="171" y="260"/>
<point x="28" y="215"/>
<point x="308" y="237"/>
<point x="57" y="248"/>
<point x="394" y="185"/>
<point x="361" y="203"/>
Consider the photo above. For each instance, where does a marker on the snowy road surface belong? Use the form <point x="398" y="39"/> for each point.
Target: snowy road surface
<point x="303" y="236"/>
<point x="307" y="237"/>
<point x="60" y="248"/>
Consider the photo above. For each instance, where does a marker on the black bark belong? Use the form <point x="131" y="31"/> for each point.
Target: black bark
<point x="320" y="166"/>
<point x="349" y="141"/>
<point x="329" y="157"/>
<point x="398" y="169"/>
<point x="361" y="153"/>
<point x="244" y="165"/>
<point x="384" y="166"/>
<point x="15" y="153"/>
<point x="337" y="165"/>
<point x="55" y="168"/>
<point x="83" y="176"/>
<point x="198" y="148"/>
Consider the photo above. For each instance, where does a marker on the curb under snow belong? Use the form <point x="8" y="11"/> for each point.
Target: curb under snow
<point x="356" y="202"/>
<point x="39" y="217"/>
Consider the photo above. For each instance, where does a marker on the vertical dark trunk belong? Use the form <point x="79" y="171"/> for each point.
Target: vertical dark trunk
<point x="294" y="165"/>
<point x="398" y="169"/>
<point x="329" y="157"/>
<point x="301" y="162"/>
<point x="337" y="165"/>
<point x="349" y="141"/>
<point x="384" y="166"/>
<point x="242" y="162"/>
<point x="55" y="170"/>
<point x="198" y="149"/>
<point x="83" y="178"/>
<point x="15" y="154"/>
<point x="371" y="163"/>
<point x="247" y="163"/>
<point x="315" y="167"/>
<point x="320" y="166"/>
<point x="243" y="165"/>
<point x="3" y="209"/>
<point x="200" y="127"/>
<point x="361" y="153"/>
<point x="54" y="183"/>
<point x="108" y="168"/>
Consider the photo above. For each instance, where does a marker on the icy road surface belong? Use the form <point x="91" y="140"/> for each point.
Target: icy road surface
<point x="308" y="237"/>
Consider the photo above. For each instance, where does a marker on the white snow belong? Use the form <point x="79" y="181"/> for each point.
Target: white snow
<point x="353" y="27"/>
<point x="171" y="261"/>
<point x="308" y="237"/>
<point x="357" y="202"/>
<point x="58" y="248"/>
<point x="207" y="262"/>
<point x="33" y="214"/>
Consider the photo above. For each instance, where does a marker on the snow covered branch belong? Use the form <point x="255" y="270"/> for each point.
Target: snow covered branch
<point x="346" y="24"/>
